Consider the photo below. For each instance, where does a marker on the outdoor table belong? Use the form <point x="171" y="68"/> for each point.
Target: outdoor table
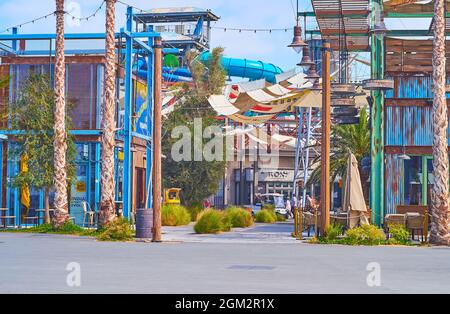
<point x="4" y="216"/>
<point x="42" y="211"/>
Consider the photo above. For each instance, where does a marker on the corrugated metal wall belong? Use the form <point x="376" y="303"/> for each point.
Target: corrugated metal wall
<point x="393" y="183"/>
<point x="417" y="86"/>
<point x="406" y="125"/>
<point x="415" y="129"/>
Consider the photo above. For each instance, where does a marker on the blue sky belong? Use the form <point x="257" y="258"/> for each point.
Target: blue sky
<point x="234" y="13"/>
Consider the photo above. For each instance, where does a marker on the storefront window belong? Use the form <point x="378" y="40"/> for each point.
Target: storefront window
<point x="284" y="188"/>
<point x="413" y="174"/>
<point x="82" y="94"/>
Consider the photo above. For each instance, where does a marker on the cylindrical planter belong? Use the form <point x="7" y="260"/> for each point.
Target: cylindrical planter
<point x="144" y="223"/>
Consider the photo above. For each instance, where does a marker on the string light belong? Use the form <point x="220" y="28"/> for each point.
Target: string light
<point x="28" y="22"/>
<point x="52" y="14"/>
<point x="252" y="30"/>
<point x="89" y="16"/>
<point x="129" y="5"/>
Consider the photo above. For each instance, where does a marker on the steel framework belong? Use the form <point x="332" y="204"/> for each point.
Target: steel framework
<point x="136" y="43"/>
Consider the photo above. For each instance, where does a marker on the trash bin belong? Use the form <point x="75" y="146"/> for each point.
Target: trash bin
<point x="144" y="223"/>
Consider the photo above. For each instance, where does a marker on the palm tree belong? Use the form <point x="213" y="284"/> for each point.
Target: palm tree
<point x="346" y="139"/>
<point x="60" y="145"/>
<point x="440" y="216"/>
<point x="107" y="208"/>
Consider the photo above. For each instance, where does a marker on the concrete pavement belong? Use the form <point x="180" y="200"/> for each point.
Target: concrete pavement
<point x="37" y="263"/>
<point x="279" y="233"/>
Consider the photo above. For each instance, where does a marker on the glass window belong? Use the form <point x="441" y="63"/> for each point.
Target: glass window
<point x="413" y="181"/>
<point x="82" y="94"/>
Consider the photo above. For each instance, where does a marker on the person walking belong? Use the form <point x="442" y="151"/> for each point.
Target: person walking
<point x="289" y="208"/>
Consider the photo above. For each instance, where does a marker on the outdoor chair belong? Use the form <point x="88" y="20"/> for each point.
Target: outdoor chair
<point x="394" y="219"/>
<point x="4" y="217"/>
<point x="32" y="220"/>
<point x="415" y="222"/>
<point x="89" y="215"/>
<point x="417" y="219"/>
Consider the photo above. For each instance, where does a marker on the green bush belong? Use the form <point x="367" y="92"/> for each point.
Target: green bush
<point x="270" y="207"/>
<point x="117" y="230"/>
<point x="280" y="218"/>
<point x="195" y="210"/>
<point x="212" y="221"/>
<point x="239" y="217"/>
<point x="265" y="216"/>
<point x="175" y="215"/>
<point x="365" y="235"/>
<point x="333" y="232"/>
<point x="67" y="228"/>
<point x="399" y="235"/>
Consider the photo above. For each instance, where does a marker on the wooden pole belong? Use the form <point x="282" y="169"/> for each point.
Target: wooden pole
<point x="325" y="147"/>
<point x="157" y="177"/>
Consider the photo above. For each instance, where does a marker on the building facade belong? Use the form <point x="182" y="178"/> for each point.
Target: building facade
<point x="84" y="89"/>
<point x="408" y="124"/>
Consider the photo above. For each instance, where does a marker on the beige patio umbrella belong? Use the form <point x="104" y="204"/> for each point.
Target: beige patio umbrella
<point x="354" y="203"/>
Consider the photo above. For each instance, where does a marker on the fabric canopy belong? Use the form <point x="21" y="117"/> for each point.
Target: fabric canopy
<point x="251" y="120"/>
<point x="354" y="202"/>
<point x="222" y="105"/>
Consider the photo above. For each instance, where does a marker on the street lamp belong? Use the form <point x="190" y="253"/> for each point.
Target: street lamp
<point x="297" y="43"/>
<point x="306" y="59"/>
<point x="379" y="29"/>
<point x="316" y="88"/>
<point x="306" y="62"/>
<point x="312" y="73"/>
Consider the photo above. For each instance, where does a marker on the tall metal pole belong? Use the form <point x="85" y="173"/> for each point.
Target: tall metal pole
<point x="306" y="166"/>
<point x="326" y="131"/>
<point x="377" y="118"/>
<point x="157" y="177"/>
<point x="298" y="149"/>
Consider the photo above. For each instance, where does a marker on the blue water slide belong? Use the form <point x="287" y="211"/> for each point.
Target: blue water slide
<point x="253" y="70"/>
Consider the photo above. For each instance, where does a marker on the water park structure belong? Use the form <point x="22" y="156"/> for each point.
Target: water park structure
<point x="85" y="69"/>
<point x="189" y="29"/>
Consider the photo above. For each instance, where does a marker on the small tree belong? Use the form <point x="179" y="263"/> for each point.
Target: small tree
<point x="32" y="113"/>
<point x="197" y="179"/>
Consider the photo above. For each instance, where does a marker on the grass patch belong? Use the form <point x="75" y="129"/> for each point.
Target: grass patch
<point x="67" y="228"/>
<point x="212" y="221"/>
<point x="266" y="216"/>
<point x="368" y="235"/>
<point x="195" y="210"/>
<point x="239" y="217"/>
<point x="175" y="215"/>
<point x="118" y="230"/>
<point x="270" y="207"/>
<point x="333" y="232"/>
<point x="280" y="218"/>
<point x="399" y="235"/>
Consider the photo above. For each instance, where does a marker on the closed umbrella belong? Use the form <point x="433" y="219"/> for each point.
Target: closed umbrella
<point x="354" y="203"/>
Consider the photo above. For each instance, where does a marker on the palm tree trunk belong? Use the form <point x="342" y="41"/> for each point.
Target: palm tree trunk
<point x="107" y="210"/>
<point x="440" y="196"/>
<point x="60" y="180"/>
